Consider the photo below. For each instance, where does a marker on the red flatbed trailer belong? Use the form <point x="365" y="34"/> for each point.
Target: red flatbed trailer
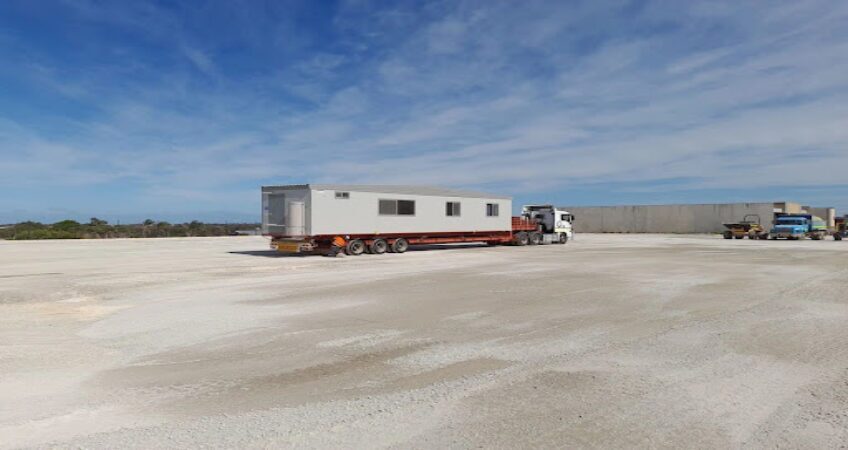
<point x="521" y="233"/>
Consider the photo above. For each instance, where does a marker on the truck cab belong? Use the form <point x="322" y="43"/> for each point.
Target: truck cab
<point x="555" y="224"/>
<point x="798" y="226"/>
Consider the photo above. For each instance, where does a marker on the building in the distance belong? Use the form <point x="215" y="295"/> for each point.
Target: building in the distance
<point x="683" y="218"/>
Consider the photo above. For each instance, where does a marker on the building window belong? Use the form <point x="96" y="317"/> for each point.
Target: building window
<point x="388" y="207"/>
<point x="397" y="207"/>
<point x="344" y="195"/>
<point x="452" y="209"/>
<point x="406" y="207"/>
<point x="492" y="209"/>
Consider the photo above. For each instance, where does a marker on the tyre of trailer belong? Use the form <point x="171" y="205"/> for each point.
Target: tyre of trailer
<point x="535" y="238"/>
<point x="400" y="245"/>
<point x="355" y="247"/>
<point x="379" y="246"/>
<point x="521" y="238"/>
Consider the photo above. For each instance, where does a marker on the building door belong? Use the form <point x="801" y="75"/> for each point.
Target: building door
<point x="275" y="213"/>
<point x="295" y="218"/>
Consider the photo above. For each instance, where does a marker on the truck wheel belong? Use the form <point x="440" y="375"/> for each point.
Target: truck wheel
<point x="563" y="238"/>
<point x="728" y="235"/>
<point x="535" y="238"/>
<point x="521" y="238"/>
<point x="379" y="246"/>
<point x="837" y="237"/>
<point x="400" y="245"/>
<point x="355" y="247"/>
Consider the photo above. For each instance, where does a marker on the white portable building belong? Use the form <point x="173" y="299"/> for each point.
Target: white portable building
<point x="338" y="209"/>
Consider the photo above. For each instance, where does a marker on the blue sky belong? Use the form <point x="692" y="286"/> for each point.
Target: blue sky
<point x="181" y="110"/>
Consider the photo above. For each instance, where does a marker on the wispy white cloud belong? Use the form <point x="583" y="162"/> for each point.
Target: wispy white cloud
<point x="496" y="94"/>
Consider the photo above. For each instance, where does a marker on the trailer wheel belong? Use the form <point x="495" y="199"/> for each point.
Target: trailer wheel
<point x="521" y="238"/>
<point x="400" y="245"/>
<point x="563" y="238"/>
<point x="355" y="247"/>
<point x="379" y="246"/>
<point x="535" y="238"/>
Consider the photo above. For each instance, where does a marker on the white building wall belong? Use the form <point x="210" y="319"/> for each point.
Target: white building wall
<point x="359" y="214"/>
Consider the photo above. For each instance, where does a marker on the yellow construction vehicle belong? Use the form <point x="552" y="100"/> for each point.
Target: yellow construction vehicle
<point x="750" y="226"/>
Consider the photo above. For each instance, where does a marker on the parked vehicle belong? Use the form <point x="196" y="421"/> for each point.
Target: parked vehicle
<point x="841" y="230"/>
<point x="798" y="226"/>
<point x="324" y="218"/>
<point x="750" y="226"/>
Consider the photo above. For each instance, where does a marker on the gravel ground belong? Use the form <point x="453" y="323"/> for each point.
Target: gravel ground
<point x="611" y="341"/>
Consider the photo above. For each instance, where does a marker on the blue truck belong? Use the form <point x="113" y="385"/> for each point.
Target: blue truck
<point x="798" y="226"/>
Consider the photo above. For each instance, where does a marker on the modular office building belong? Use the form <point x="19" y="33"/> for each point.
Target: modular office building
<point x="338" y="209"/>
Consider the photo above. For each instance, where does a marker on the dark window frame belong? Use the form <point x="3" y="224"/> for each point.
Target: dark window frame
<point x="342" y="195"/>
<point x="400" y="208"/>
<point x="493" y="209"/>
<point x="453" y="209"/>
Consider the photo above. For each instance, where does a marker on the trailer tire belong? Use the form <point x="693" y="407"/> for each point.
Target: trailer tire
<point x="535" y="238"/>
<point x="379" y="246"/>
<point x="521" y="238"/>
<point x="563" y="238"/>
<point x="355" y="247"/>
<point x="400" y="245"/>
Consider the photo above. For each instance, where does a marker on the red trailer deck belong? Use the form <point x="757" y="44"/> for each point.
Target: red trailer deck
<point x="523" y="232"/>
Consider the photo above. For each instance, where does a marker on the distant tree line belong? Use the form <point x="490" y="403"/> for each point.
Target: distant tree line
<point x="100" y="229"/>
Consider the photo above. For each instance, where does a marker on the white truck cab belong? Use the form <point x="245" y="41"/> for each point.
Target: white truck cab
<point x="556" y="223"/>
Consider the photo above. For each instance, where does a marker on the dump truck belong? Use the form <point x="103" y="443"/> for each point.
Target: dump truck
<point x="798" y="226"/>
<point x="359" y="219"/>
<point x="749" y="227"/>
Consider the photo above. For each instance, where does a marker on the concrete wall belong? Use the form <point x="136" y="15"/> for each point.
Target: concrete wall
<point x="707" y="218"/>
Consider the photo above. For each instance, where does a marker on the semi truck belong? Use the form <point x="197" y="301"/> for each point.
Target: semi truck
<point x="359" y="219"/>
<point x="798" y="226"/>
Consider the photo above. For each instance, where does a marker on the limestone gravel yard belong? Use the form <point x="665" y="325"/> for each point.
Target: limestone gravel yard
<point x="611" y="341"/>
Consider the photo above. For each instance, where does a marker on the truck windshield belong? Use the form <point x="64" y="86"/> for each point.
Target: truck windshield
<point x="790" y="222"/>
